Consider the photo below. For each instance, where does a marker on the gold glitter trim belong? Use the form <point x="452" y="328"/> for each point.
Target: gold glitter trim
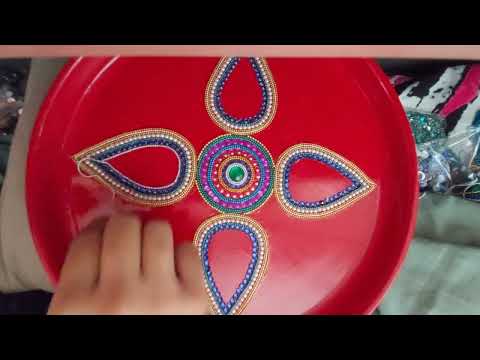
<point x="89" y="168"/>
<point x="219" y="120"/>
<point x="368" y="185"/>
<point x="262" y="267"/>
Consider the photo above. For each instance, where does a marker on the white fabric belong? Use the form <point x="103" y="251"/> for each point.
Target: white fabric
<point x="20" y="267"/>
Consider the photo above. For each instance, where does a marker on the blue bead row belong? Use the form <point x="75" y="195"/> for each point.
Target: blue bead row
<point x="226" y="307"/>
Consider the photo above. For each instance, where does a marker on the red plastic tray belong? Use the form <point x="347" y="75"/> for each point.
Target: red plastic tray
<point x="341" y="264"/>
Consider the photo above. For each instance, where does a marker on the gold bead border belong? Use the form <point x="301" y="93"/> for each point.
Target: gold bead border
<point x="357" y="195"/>
<point x="262" y="268"/>
<point x="87" y="167"/>
<point x="219" y="121"/>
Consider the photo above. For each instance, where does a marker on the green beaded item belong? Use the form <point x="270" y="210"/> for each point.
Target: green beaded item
<point x="426" y="127"/>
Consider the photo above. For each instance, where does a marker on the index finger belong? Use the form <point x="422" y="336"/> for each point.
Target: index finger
<point x="81" y="267"/>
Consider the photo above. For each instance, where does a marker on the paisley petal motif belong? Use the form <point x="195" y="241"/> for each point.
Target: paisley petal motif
<point x="238" y="125"/>
<point x="360" y="185"/>
<point x="256" y="268"/>
<point x="94" y="161"/>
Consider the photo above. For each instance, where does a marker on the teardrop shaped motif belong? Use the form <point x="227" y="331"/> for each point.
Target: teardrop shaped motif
<point x="241" y="125"/>
<point x="360" y="186"/>
<point x="94" y="162"/>
<point x="255" y="270"/>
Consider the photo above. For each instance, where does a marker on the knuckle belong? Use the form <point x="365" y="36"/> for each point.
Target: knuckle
<point x="127" y="218"/>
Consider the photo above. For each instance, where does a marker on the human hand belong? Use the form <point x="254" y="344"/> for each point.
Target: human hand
<point x="121" y="268"/>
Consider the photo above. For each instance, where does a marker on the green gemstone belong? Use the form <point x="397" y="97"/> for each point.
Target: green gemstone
<point x="236" y="173"/>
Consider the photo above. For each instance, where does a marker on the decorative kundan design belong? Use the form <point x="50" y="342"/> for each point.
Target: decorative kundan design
<point x="235" y="174"/>
<point x="360" y="185"/>
<point x="241" y="125"/>
<point x="256" y="267"/>
<point x="94" y="162"/>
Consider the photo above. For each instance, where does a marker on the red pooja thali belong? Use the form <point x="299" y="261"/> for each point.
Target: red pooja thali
<point x="295" y="178"/>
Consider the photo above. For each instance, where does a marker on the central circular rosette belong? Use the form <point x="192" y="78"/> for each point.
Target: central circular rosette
<point x="235" y="174"/>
